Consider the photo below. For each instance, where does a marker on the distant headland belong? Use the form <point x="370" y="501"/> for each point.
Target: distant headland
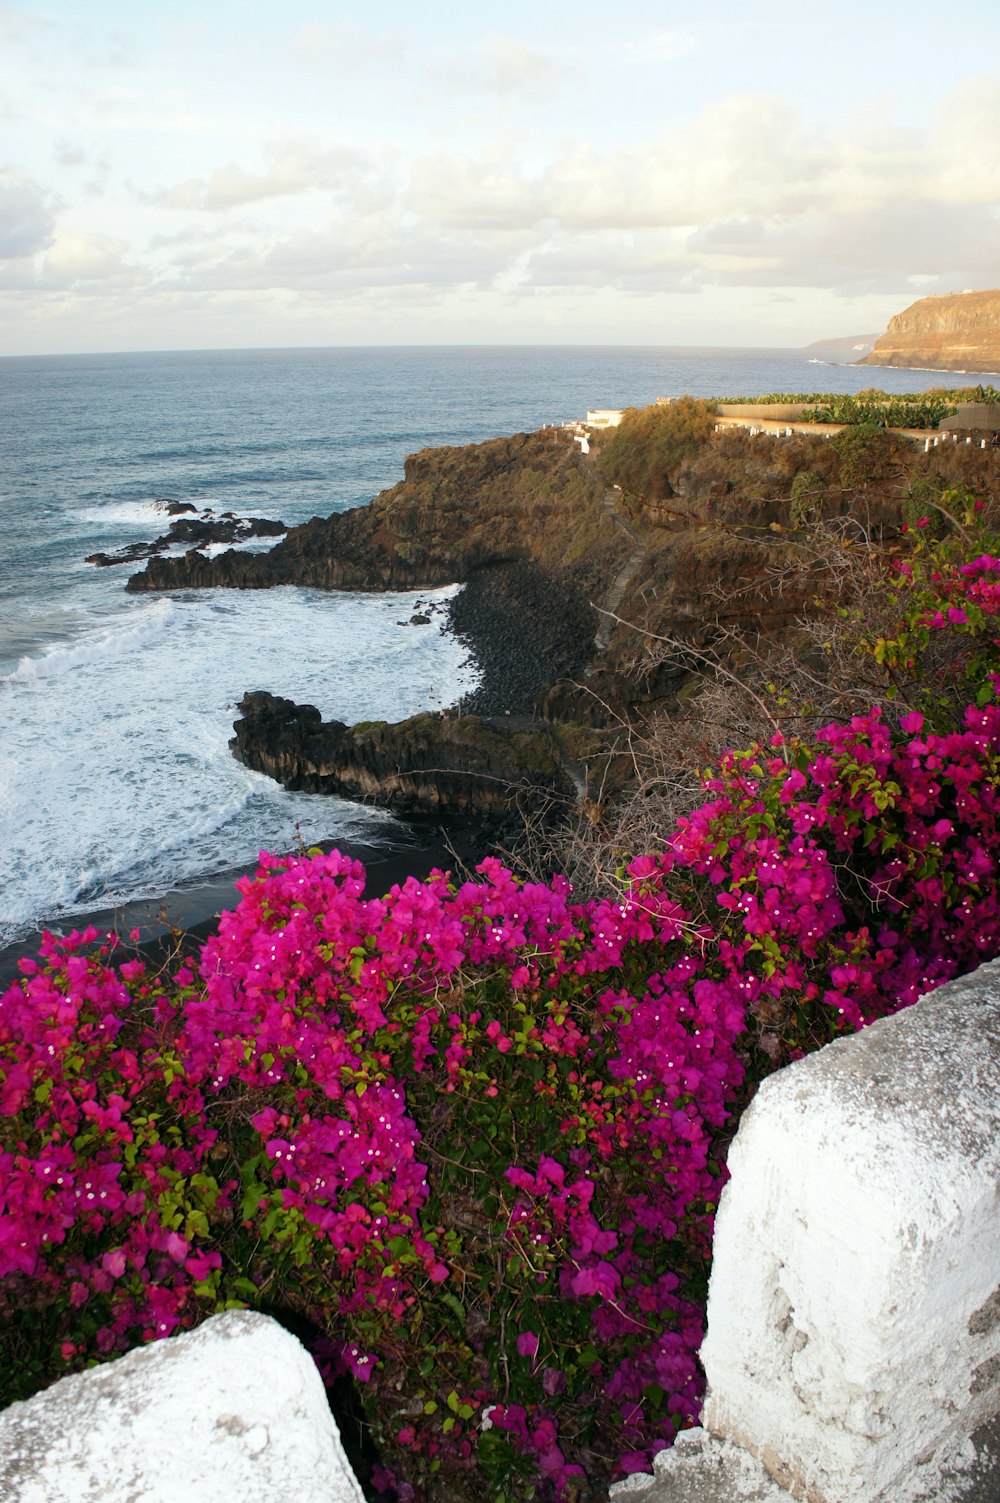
<point x="956" y="332"/>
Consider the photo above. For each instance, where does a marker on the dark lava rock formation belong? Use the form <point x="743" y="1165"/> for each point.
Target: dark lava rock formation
<point x="448" y="765"/>
<point x="457" y="510"/>
<point x="692" y="587"/>
<point x="193" y="532"/>
<point x="525" y="631"/>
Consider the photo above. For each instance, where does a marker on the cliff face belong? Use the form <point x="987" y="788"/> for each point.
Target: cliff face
<point x="457" y="510"/>
<point x="960" y="332"/>
<point x="431" y="764"/>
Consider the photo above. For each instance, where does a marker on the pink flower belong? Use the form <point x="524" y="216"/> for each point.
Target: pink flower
<point x="602" y="1280"/>
<point x="114" y="1262"/>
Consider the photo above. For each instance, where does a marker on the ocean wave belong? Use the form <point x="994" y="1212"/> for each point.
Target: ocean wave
<point x="107" y="644"/>
<point x="129" y="786"/>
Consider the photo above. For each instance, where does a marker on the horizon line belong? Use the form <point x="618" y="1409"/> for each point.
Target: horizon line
<point x="260" y="349"/>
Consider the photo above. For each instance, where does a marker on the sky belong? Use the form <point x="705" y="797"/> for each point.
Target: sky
<point x="243" y="173"/>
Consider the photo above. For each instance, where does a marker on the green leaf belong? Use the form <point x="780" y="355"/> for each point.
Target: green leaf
<point x="454" y="1304"/>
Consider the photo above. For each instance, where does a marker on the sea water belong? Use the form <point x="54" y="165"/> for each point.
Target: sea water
<point x="116" y="779"/>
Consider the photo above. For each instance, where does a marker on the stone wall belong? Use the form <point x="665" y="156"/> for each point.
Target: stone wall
<point x="853" y="1342"/>
<point x="234" y="1412"/>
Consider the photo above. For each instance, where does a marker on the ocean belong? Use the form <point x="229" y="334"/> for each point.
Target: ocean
<point x="116" y="781"/>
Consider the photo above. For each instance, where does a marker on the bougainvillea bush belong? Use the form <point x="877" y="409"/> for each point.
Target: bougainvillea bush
<point x="472" y="1137"/>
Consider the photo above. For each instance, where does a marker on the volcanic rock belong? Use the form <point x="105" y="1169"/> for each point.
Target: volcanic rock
<point x="456" y="510"/>
<point x="442" y="764"/>
<point x="196" y="532"/>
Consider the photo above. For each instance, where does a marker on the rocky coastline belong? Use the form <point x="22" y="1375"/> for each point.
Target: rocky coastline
<point x="954" y="332"/>
<point x="192" y="532"/>
<point x="588" y="611"/>
<point x="521" y="523"/>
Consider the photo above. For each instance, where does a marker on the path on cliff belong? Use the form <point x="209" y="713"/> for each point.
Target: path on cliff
<point x="625" y="573"/>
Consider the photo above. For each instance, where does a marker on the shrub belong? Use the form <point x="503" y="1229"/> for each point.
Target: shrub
<point x="652" y="442"/>
<point x="807" y="490"/>
<point x="867" y="454"/>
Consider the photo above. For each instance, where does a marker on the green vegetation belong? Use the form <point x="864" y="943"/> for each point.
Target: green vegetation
<point x="924" y="409"/>
<point x="867" y="453"/>
<point x="813" y="398"/>
<point x="876" y="408"/>
<point x="807" y="488"/>
<point x="650" y="442"/>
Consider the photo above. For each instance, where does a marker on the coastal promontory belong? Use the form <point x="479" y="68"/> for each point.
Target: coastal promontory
<point x="602" y="591"/>
<point x="457" y="509"/>
<point x="957" y="332"/>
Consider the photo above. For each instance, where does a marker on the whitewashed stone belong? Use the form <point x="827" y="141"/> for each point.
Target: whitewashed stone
<point x="234" y="1412"/>
<point x="701" y="1468"/>
<point x="854" y="1311"/>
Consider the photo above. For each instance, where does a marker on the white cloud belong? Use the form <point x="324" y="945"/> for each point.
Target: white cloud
<point x="458" y="191"/>
<point x="661" y="47"/>
<point x="498" y="65"/>
<point x="68" y="155"/>
<point x="346" y="45"/>
<point x="345" y="163"/>
<point x="292" y="167"/>
<point x="78" y="257"/>
<point x="26" y="220"/>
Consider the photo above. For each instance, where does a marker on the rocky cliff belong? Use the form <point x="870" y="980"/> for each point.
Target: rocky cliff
<point x="446" y="765"/>
<point x="959" y="332"/>
<point x="701" y="582"/>
<point x="456" y="510"/>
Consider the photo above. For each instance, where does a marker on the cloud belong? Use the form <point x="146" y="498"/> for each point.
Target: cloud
<point x="345" y="45"/>
<point x="508" y="66"/>
<point x="349" y="254"/>
<point x="68" y="155"/>
<point x="660" y="47"/>
<point x="498" y="65"/>
<point x="27" y="223"/>
<point x="292" y="167"/>
<point x="607" y="261"/>
<point x="878" y="248"/>
<point x="77" y="262"/>
<point x="461" y="192"/>
<point x="79" y="257"/>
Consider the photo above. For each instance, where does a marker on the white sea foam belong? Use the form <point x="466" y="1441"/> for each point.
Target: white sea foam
<point x="134" y="631"/>
<point x="118" y="781"/>
<point x="133" y="514"/>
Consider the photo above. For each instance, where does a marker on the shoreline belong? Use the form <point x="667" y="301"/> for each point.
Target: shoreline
<point x="520" y="637"/>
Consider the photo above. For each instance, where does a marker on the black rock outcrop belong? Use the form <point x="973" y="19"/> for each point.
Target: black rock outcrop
<point x="193" y="532"/>
<point x="456" y="511"/>
<point x="449" y="765"/>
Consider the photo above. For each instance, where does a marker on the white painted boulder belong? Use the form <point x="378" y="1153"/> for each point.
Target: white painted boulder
<point x="854" y="1313"/>
<point x="234" y="1412"/>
